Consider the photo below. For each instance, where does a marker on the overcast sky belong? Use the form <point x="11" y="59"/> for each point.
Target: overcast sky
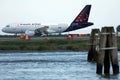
<point x="103" y="12"/>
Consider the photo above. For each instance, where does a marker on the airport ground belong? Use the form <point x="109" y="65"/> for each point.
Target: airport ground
<point x="46" y="43"/>
<point x="49" y="43"/>
<point x="51" y="37"/>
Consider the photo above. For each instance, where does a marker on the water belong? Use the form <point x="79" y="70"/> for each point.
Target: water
<point x="48" y="66"/>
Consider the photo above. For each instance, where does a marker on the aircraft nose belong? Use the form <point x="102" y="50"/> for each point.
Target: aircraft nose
<point x="3" y="30"/>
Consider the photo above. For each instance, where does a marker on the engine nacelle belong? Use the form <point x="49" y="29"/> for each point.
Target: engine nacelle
<point x="29" y="33"/>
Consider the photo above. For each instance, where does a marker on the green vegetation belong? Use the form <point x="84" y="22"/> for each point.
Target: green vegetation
<point x="44" y="45"/>
<point x="47" y="45"/>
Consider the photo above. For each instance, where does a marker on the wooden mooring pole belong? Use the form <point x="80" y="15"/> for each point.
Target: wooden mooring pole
<point x="107" y="52"/>
<point x="92" y="55"/>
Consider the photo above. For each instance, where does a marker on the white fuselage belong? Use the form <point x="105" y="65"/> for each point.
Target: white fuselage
<point x="22" y="28"/>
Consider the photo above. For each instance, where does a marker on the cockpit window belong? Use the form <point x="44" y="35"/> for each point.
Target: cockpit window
<point x="8" y="26"/>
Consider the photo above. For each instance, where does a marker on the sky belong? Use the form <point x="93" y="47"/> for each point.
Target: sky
<point x="103" y="12"/>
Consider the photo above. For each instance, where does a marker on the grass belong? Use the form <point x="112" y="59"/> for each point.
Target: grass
<point x="43" y="45"/>
<point x="47" y="45"/>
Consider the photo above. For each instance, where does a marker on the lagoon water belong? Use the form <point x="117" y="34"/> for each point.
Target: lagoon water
<point x="49" y="66"/>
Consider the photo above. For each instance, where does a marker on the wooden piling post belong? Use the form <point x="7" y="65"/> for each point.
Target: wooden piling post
<point x="101" y="53"/>
<point x="107" y="51"/>
<point x="92" y="55"/>
<point x="113" y="53"/>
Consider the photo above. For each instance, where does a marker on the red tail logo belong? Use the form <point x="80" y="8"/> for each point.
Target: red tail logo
<point x="84" y="15"/>
<point x="82" y="18"/>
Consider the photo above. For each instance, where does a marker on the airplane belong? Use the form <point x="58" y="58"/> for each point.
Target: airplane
<point x="31" y="29"/>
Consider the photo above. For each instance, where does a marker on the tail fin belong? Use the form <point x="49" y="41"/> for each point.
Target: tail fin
<point x="83" y="15"/>
<point x="81" y="21"/>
